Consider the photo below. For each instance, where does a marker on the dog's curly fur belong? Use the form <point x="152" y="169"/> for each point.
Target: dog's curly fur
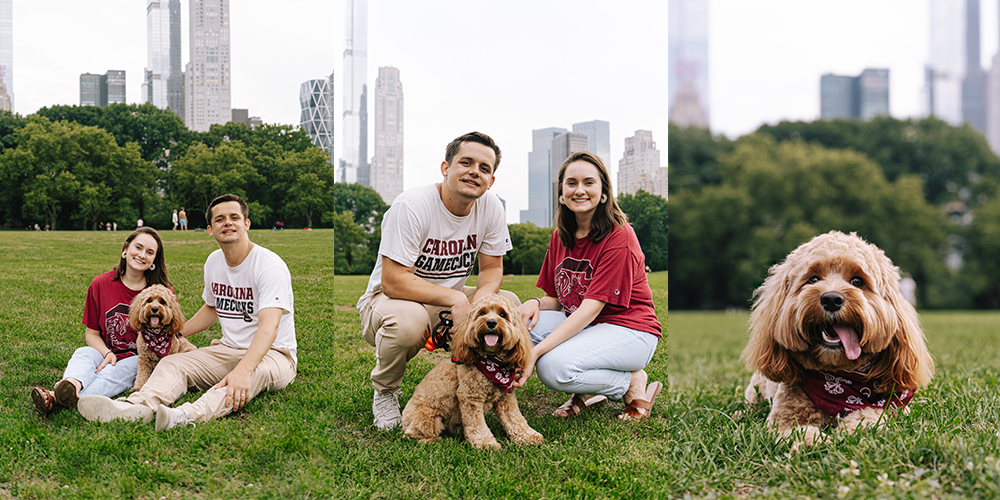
<point x="788" y="323"/>
<point x="155" y="301"/>
<point x="454" y="395"/>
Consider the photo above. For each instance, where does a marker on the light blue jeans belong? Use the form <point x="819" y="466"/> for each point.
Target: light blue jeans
<point x="110" y="382"/>
<point x="597" y="360"/>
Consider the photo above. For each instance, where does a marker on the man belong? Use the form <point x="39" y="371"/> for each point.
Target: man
<point x="430" y="238"/>
<point x="183" y="219"/>
<point x="248" y="289"/>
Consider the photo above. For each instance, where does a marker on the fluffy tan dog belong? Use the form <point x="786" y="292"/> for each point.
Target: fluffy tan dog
<point x="833" y="342"/>
<point x="491" y="342"/>
<point x="157" y="317"/>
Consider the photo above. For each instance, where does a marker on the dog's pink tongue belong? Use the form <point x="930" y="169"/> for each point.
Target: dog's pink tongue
<point x="849" y="339"/>
<point x="155" y="320"/>
<point x="491" y="339"/>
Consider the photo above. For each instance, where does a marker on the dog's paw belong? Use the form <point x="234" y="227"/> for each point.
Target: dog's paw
<point x="532" y="437"/>
<point x="810" y="435"/>
<point x="490" y="445"/>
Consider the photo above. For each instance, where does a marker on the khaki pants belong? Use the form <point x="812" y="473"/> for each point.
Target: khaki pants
<point x="203" y="368"/>
<point x="398" y="329"/>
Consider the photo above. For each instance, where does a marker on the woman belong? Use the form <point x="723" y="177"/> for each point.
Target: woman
<point x="594" y="270"/>
<point x="108" y="364"/>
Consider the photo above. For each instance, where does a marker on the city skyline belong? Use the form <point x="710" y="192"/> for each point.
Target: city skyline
<point x="503" y="82"/>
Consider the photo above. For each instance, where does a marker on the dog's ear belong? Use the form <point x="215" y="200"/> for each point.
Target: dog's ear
<point x="771" y="330"/>
<point x="462" y="337"/>
<point x="905" y="363"/>
<point x="177" y="315"/>
<point x="135" y="311"/>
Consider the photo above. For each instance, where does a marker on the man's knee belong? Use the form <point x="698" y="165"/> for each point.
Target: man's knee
<point x="401" y="322"/>
<point x="511" y="297"/>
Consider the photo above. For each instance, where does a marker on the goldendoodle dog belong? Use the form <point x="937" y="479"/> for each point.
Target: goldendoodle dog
<point x="157" y="317"/>
<point x="488" y="347"/>
<point x="832" y="340"/>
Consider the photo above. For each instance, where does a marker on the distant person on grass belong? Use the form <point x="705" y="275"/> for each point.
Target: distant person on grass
<point x="174" y="218"/>
<point x="595" y="329"/>
<point x="182" y="217"/>
<point x="430" y="238"/>
<point x="248" y="289"/>
<point x="107" y="365"/>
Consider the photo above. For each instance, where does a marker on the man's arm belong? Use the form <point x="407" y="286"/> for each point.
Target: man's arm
<point x="490" y="275"/>
<point x="237" y="381"/>
<point x="399" y="282"/>
<point x="204" y="318"/>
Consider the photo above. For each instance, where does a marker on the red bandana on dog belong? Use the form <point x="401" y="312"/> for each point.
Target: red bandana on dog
<point x="840" y="393"/>
<point x="501" y="375"/>
<point x="157" y="340"/>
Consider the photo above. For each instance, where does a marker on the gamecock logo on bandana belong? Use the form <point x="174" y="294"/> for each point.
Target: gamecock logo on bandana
<point x="120" y="336"/>
<point x="572" y="279"/>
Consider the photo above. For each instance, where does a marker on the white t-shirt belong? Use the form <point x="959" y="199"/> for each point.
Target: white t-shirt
<point x="238" y="293"/>
<point x="418" y="231"/>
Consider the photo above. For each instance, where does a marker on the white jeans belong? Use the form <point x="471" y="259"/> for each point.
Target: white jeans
<point x="598" y="360"/>
<point x="110" y="382"/>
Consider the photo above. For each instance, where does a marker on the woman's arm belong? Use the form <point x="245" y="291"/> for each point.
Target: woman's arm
<point x="530" y="308"/>
<point x="94" y="339"/>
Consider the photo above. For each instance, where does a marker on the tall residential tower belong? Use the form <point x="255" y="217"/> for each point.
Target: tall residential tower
<point x="316" y="98"/>
<point x="6" y="55"/>
<point x="387" y="164"/>
<point x="640" y="167"/>
<point x="687" y="77"/>
<point x="207" y="84"/>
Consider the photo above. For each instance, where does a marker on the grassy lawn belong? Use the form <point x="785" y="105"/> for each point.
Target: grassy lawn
<point x="593" y="456"/>
<point x="948" y="447"/>
<point x="279" y="446"/>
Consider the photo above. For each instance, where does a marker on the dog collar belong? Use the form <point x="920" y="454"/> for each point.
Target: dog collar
<point x="839" y="393"/>
<point x="493" y="368"/>
<point x="157" y="340"/>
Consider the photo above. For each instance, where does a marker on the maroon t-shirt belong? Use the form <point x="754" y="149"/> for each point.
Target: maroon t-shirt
<point x="612" y="271"/>
<point x="106" y="311"/>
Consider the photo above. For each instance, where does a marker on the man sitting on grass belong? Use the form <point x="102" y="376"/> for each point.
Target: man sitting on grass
<point x="248" y="289"/>
<point x="431" y="236"/>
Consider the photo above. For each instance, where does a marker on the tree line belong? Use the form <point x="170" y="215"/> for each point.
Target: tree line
<point x="926" y="192"/>
<point x="74" y="167"/>
<point x="357" y="219"/>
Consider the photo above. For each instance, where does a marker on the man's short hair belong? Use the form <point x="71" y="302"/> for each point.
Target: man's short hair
<point x="477" y="137"/>
<point x="224" y="198"/>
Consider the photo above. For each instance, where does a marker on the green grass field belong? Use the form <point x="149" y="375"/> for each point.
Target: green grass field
<point x="593" y="456"/>
<point x="279" y="446"/>
<point x="948" y="447"/>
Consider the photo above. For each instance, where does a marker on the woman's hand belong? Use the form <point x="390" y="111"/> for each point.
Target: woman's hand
<point x="530" y="312"/>
<point x="525" y="372"/>
<point x="114" y="359"/>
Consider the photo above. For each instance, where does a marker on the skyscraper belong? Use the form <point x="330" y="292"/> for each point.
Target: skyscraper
<point x="207" y="84"/>
<point x="101" y="90"/>
<point x="687" y="80"/>
<point x="387" y="166"/>
<point x="175" y="82"/>
<point x="355" y="144"/>
<point x="158" y="66"/>
<point x="598" y="134"/>
<point x="974" y="83"/>
<point x="540" y="200"/>
<point x="640" y="167"/>
<point x="859" y="97"/>
<point x="316" y="98"/>
<point x="942" y="92"/>
<point x="7" y="55"/>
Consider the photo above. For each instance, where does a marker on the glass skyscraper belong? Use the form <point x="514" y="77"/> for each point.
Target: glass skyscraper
<point x="540" y="200"/>
<point x="387" y="168"/>
<point x="163" y="80"/>
<point x="687" y="60"/>
<point x="316" y="99"/>
<point x="354" y="148"/>
<point x="207" y="84"/>
<point x="7" y="54"/>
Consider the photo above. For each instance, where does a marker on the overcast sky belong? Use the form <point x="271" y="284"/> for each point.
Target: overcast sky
<point x="766" y="57"/>
<point x="503" y="68"/>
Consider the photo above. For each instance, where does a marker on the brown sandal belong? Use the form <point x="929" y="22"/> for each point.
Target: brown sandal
<point x="577" y="404"/>
<point x="67" y="394"/>
<point x="44" y="400"/>
<point x="639" y="409"/>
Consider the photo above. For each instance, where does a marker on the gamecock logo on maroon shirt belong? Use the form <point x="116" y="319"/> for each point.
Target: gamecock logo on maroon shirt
<point x="572" y="279"/>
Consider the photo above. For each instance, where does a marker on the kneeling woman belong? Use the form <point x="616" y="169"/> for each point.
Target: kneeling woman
<point x="594" y="270"/>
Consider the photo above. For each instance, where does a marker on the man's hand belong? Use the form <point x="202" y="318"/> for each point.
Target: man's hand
<point x="237" y="385"/>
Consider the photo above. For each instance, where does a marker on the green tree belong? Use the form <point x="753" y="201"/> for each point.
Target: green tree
<point x="529" y="245"/>
<point x="647" y="214"/>
<point x="365" y="204"/>
<point x="350" y="242"/>
<point x="203" y="173"/>
<point x="693" y="156"/>
<point x="152" y="129"/>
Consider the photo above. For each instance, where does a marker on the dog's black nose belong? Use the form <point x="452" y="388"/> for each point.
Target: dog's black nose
<point x="491" y="324"/>
<point x="154" y="309"/>
<point x="832" y="301"/>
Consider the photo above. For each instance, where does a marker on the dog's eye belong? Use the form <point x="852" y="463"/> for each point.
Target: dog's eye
<point x="149" y="300"/>
<point x="858" y="282"/>
<point x="503" y="314"/>
<point x="482" y="313"/>
<point x="813" y="279"/>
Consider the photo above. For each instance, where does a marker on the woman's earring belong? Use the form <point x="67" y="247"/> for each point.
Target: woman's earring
<point x="562" y="201"/>
<point x="604" y="198"/>
<point x="152" y="267"/>
<point x="123" y="254"/>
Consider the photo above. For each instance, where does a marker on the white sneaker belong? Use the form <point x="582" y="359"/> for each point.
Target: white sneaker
<point x="104" y="409"/>
<point x="385" y="407"/>
<point x="168" y="418"/>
